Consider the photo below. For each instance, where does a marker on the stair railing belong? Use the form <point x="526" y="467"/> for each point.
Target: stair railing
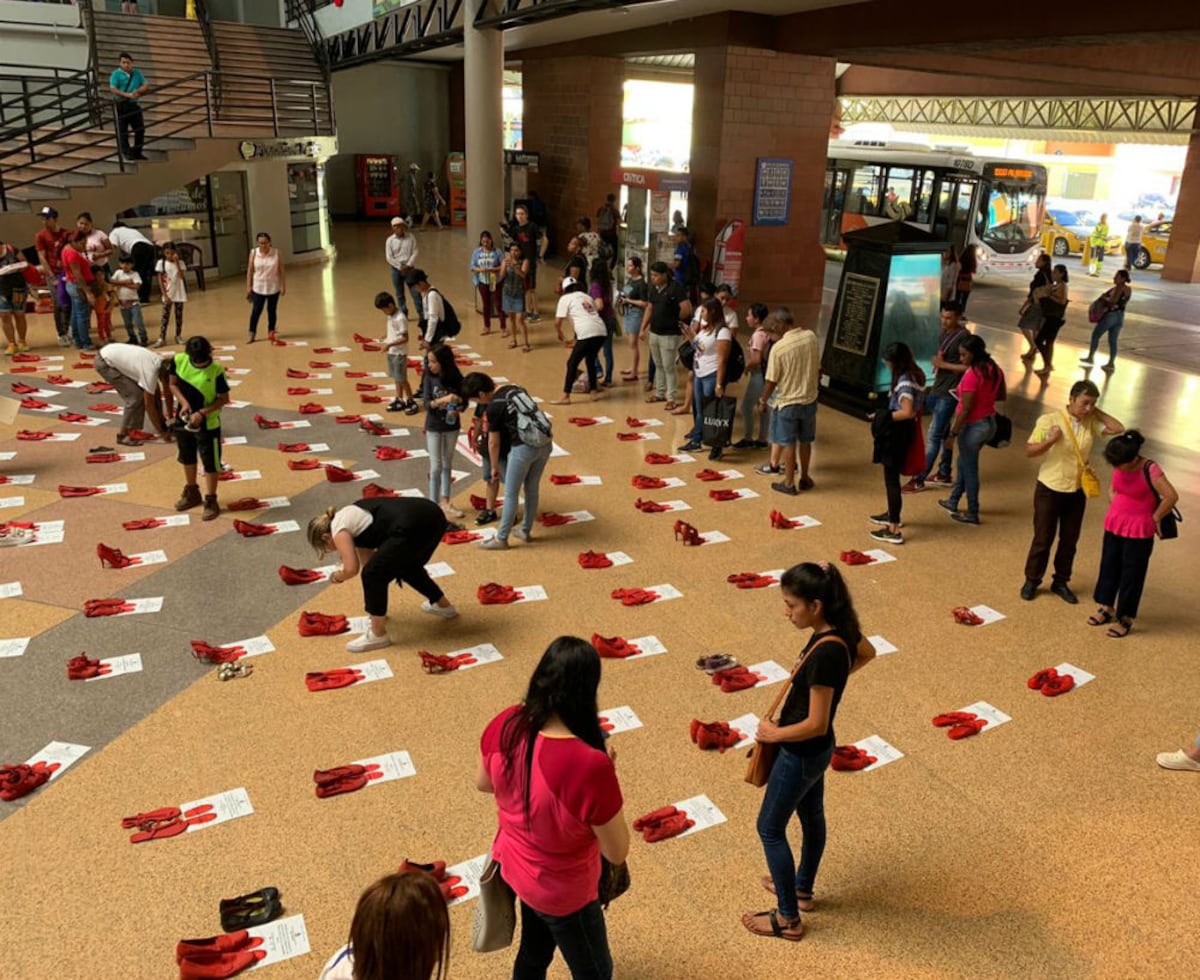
<point x="204" y="17"/>
<point x="87" y="21"/>
<point x="304" y="12"/>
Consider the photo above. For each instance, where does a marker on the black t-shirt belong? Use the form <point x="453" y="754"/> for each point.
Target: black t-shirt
<point x="414" y="518"/>
<point x="827" y="666"/>
<point x="664" y="308"/>
<point x="496" y="419"/>
<point x="950" y="347"/>
<point x="527" y="236"/>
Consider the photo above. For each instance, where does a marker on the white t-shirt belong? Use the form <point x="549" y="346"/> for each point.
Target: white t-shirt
<point x="581" y="311"/>
<point x="96" y="246"/>
<point x="1133" y="234"/>
<point x="397" y="329"/>
<point x="706" y="350"/>
<point x="340" y="966"/>
<point x="123" y="240"/>
<point x="136" y="363"/>
<point x="350" y="518"/>
<point x="127" y="284"/>
<point x="435" y="313"/>
<point x="176" y="291"/>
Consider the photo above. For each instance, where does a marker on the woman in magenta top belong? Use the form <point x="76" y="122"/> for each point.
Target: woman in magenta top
<point x="974" y="424"/>
<point x="560" y="808"/>
<point x="1141" y="497"/>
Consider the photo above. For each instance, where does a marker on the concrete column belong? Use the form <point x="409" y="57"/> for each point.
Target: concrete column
<point x="483" y="83"/>
<point x="1183" y="255"/>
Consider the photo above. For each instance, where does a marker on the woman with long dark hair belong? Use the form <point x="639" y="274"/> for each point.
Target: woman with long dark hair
<point x="560" y="809"/>
<point x="974" y="424"/>
<point x="1053" y="299"/>
<point x="894" y="431"/>
<point x="577" y="308"/>
<point x="815" y="598"/>
<point x="441" y="391"/>
<point x="485" y="267"/>
<point x="1111" y="320"/>
<point x="601" y="292"/>
<point x="1031" y="310"/>
<point x="712" y="341"/>
<point x="265" y="284"/>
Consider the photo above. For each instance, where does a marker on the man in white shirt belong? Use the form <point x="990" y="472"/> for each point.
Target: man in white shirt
<point x="140" y="376"/>
<point x="1133" y="242"/>
<point x="433" y="310"/>
<point x="400" y="250"/>
<point x="130" y="241"/>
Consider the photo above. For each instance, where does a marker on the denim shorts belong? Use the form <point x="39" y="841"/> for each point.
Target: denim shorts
<point x="12" y="300"/>
<point x="397" y="365"/>
<point x="794" y="423"/>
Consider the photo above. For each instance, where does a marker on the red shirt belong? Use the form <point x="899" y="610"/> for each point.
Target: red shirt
<point x="50" y="244"/>
<point x="76" y="265"/>
<point x="552" y="861"/>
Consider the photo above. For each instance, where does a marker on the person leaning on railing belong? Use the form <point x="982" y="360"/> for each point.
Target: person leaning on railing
<point x="127" y="84"/>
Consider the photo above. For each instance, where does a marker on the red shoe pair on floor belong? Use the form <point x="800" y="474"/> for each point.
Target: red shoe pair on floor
<point x="166" y="822"/>
<point x="648" y="482"/>
<point x="667" y="821"/>
<point x="781" y="523"/>
<point x="309" y="463"/>
<point x="437" y="871"/>
<point x="348" y="419"/>
<point x="735" y="679"/>
<point x="266" y="423"/>
<point x="299" y="576"/>
<point x="344" y="779"/>
<point x="106" y="607"/>
<point x="114" y="558"/>
<point x="371" y="399"/>
<point x="296" y="373"/>
<point x="102" y="458"/>
<point x="715" y="735"/>
<point x="478" y="502"/>
<point x="634" y="597"/>
<point x="962" y="724"/>
<point x="250" y="530"/>
<point x="634" y="423"/>
<point x="855" y="557"/>
<point x="320" y="365"/>
<point x="82" y="668"/>
<point x="374" y="428"/>
<point x="219" y="956"/>
<point x="312" y="408"/>
<point x="22" y="779"/>
<point x="320" y="624"/>
<point x="66" y="491"/>
<point x="630" y="436"/>
<point x="297" y="392"/>
<point x="293" y="447"/>
<point x="357" y="374"/>
<point x="98" y="387"/>
<point x="550" y="519"/>
<point x="614" y="647"/>
<point x="966" y="617"/>
<point x="751" y="580"/>
<point x="650" y="506"/>
<point x="850" y="758"/>
<point x="71" y="417"/>
<point x="581" y="420"/>
<point x="24" y="435"/>
<point x="659" y="459"/>
<point x="435" y="663"/>
<point x="722" y="495"/>
<point x="387" y="453"/>
<point x="563" y="480"/>
<point x="689" y="535"/>
<point x="331" y="680"/>
<point x="1050" y="682"/>
<point x="594" y="559"/>
<point x="31" y="403"/>
<point x="338" y="474"/>
<point x="494" y="594"/>
<point x="709" y="476"/>
<point x="216" y="655"/>
<point x="20" y="388"/>
<point x="372" y="490"/>
<point x="144" y="524"/>
<point x="460" y="537"/>
<point x="246" y="503"/>
<point x="367" y="386"/>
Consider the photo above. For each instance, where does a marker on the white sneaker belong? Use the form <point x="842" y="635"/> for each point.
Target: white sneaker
<point x="1179" y="760"/>
<point x="64" y="340"/>
<point x="522" y="535"/>
<point x="451" y="511"/>
<point x="369" y="641"/>
<point x="446" y="612"/>
<point x="161" y="342"/>
<point x="494" y="544"/>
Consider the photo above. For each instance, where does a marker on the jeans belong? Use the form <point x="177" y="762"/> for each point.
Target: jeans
<point x="796" y="785"/>
<point x="1131" y="253"/>
<point x="755" y="383"/>
<point x="524" y="470"/>
<point x="81" y="317"/>
<point x="1054" y="512"/>
<point x="702" y="389"/>
<point x="257" y="302"/>
<point x="663" y="349"/>
<point x="398" y="289"/>
<point x="135" y="325"/>
<point x="1111" y="323"/>
<point x="607" y="349"/>
<point x="441" y="452"/>
<point x="941" y="412"/>
<point x="134" y="416"/>
<point x="581" y="937"/>
<point x="971" y="440"/>
<point x="587" y="350"/>
<point x="1123" y="566"/>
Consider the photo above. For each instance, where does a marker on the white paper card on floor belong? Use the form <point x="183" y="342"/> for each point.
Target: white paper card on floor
<point x="438" y="569"/>
<point x="618" y="558"/>
<point x="618" y="720"/>
<point x="558" y="451"/>
<point x="234" y="403"/>
<point x="282" y="940"/>
<point x="296" y="424"/>
<point x="665" y="592"/>
<point x="175" y="520"/>
<point x="242" y="476"/>
<point x="12" y="502"/>
<point x="10" y="590"/>
<point x="47" y="532"/>
<point x="326" y="571"/>
<point x="731" y="474"/>
<point x="884" y="752"/>
<point x="6" y="456"/>
<point x="714" y="537"/>
<point x="129" y="663"/>
<point x="771" y="670"/>
<point x="484" y="653"/>
<point x="469" y="873"/>
<point x="651" y="646"/>
<point x="285" y="527"/>
<point x="65" y="754"/>
<point x="256" y="646"/>
<point x="986" y="613"/>
<point x="238" y="371"/>
<point x="63" y="437"/>
<point x="989" y="713"/>
<point x="747" y="724"/>
<point x="776" y="574"/>
<point x="531" y="593"/>
<point x="234" y="441"/>
<point x="1079" y="675"/>
<point x="671" y="482"/>
<point x="131" y="457"/>
<point x="701" y="809"/>
<point x="580" y="516"/>
<point x="111" y="488"/>
<point x="878" y="556"/>
<point x="20" y="479"/>
<point x="882" y="646"/>
<point x="227" y="806"/>
<point x="47" y="409"/>
<point x="598" y="420"/>
<point x="684" y="458"/>
<point x="372" y="670"/>
<point x="805" y="521"/>
<point x="271" y="502"/>
<point x="648" y="423"/>
<point x="157" y="557"/>
<point x="14" y="646"/>
<point x="583" y="481"/>
<point x="645" y="436"/>
<point x="152" y="604"/>
<point x="393" y="765"/>
<point x="318" y="447"/>
<point x="673" y="506"/>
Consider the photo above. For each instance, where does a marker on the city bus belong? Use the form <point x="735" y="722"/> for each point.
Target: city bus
<point x="992" y="205"/>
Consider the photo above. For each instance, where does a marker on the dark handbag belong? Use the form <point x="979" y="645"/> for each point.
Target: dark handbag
<point x="1168" y="526"/>
<point x="1004" y="431"/>
<point x="716" y="418"/>
<point x="687" y="355"/>
<point x="614" y="881"/>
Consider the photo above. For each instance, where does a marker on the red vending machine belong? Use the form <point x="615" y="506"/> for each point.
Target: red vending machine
<point x="378" y="184"/>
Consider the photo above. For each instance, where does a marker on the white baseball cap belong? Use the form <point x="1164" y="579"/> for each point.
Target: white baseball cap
<point x="398" y="221"/>
<point x="568" y="282"/>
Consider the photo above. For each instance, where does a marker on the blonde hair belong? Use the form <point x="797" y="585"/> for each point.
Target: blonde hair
<point x="318" y="527"/>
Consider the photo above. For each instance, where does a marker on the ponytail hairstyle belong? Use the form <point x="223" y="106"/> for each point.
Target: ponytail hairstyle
<point x="564" y="683"/>
<point x="900" y="357"/>
<point x="715" y="314"/>
<point x="813" y="582"/>
<point x="981" y="359"/>
<point x="1124" y="448"/>
<point x="401" y="930"/>
<point x="318" y="527"/>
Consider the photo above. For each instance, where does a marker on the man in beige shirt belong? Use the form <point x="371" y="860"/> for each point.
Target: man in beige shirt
<point x="793" y="375"/>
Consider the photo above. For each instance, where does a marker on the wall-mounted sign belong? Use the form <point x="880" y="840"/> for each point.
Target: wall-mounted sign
<point x="317" y="148"/>
<point x="772" y="191"/>
<point x="523" y="158"/>
<point x="652" y="180"/>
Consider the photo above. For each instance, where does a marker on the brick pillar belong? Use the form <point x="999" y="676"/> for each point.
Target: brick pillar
<point x="1183" y="255"/>
<point x="573" y="117"/>
<point x="752" y="103"/>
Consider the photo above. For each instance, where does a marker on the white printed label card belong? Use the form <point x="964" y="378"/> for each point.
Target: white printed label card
<point x="281" y="940"/>
<point x="12" y="502"/>
<point x="713" y="537"/>
<point x="234" y="440"/>
<point x="557" y="450"/>
<point x="130" y="663"/>
<point x="65" y="754"/>
<point x="651" y="646"/>
<point x="644" y="437"/>
<point x="703" y="811"/>
<point x="20" y="479"/>
<point x="255" y="646"/>
<point x="10" y="590"/>
<point x="618" y="558"/>
<point x="803" y="521"/>
<point x="671" y="482"/>
<point x="392" y="765"/>
<point x="989" y="713"/>
<point x="883" y="752"/>
<point x="579" y="516"/>
<point x="882" y="646"/>
<point x="241" y="476"/>
<point x="140" y="606"/>
<point x="483" y="653"/>
<point x="157" y="557"/>
<point x="579" y="481"/>
<point x="296" y="424"/>
<point x="747" y="725"/>
<point x="227" y="806"/>
<point x="175" y="520"/>
<point x="731" y="474"/>
<point x="645" y="423"/>
<point x="665" y="592"/>
<point x="532" y="593"/>
<point x="683" y="458"/>
<point x="270" y="503"/>
<point x="1078" y="674"/>
<point x="285" y="527"/>
<point x="438" y="569"/>
<point x="673" y="506"/>
<point x="468" y="873"/>
<point x="372" y="670"/>
<point x="110" y="488"/>
<point x="878" y="556"/>
<point x="771" y="671"/>
<point x="986" y="613"/>
<point x="62" y="437"/>
<point x="14" y="646"/>
<point x="614" y="721"/>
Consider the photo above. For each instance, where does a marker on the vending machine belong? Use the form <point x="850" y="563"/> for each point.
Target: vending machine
<point x="456" y="180"/>
<point x="377" y="182"/>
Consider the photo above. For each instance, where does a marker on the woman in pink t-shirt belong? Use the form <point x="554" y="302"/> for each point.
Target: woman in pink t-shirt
<point x="1141" y="497"/>
<point x="974" y="424"/>
<point x="559" y="808"/>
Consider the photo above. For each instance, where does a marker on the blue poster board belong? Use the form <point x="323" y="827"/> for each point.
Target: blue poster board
<point x="772" y="191"/>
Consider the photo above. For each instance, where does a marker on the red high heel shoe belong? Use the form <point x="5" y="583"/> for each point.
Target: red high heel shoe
<point x="688" y="533"/>
<point x="113" y="557"/>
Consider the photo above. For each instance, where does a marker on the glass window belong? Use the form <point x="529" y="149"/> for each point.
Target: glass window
<point x="1011" y="214"/>
<point x="923" y="197"/>
<point x="864" y="194"/>
<point x="898" y="198"/>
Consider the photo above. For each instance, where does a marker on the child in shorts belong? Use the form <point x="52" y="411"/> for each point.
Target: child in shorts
<point x="396" y="346"/>
<point x="127" y="281"/>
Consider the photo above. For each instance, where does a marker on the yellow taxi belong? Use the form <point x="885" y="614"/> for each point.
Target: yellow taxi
<point x="1066" y="233"/>
<point x="1154" y="245"/>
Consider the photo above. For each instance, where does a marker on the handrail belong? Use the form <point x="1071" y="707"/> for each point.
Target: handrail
<point x="305" y="15"/>
<point x="210" y="41"/>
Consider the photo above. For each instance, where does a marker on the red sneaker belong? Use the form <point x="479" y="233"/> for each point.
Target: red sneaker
<point x="594" y="559"/>
<point x="248" y="530"/>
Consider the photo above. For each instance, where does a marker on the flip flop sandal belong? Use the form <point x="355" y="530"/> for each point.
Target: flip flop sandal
<point x="777" y="929"/>
<point x="803" y="902"/>
<point x="1123" y="628"/>
<point x="1101" y="617"/>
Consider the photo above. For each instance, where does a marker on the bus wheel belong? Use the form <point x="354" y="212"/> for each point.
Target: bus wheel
<point x="1143" y="259"/>
<point x="1061" y="248"/>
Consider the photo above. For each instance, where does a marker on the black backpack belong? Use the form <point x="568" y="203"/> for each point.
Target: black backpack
<point x="449" y="325"/>
<point x="735" y="366"/>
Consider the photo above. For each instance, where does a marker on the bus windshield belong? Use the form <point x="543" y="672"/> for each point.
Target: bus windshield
<point x="1012" y="215"/>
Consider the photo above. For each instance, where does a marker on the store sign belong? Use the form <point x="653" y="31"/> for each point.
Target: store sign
<point x="523" y="158"/>
<point x="652" y="180"/>
<point x="311" y="149"/>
